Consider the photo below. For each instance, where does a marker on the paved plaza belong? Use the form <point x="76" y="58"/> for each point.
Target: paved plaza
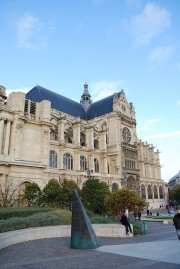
<point x="159" y="248"/>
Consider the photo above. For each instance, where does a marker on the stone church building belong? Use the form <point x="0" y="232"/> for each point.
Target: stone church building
<point x="44" y="135"/>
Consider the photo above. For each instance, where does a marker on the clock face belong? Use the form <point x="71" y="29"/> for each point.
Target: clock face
<point x="126" y="134"/>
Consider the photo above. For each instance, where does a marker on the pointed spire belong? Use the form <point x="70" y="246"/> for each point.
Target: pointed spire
<point x="86" y="97"/>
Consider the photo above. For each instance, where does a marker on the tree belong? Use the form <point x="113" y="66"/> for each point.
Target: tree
<point x="67" y="187"/>
<point x="117" y="202"/>
<point x="93" y="193"/>
<point x="52" y="193"/>
<point x="8" y="192"/>
<point x="174" y="195"/>
<point x="32" y="194"/>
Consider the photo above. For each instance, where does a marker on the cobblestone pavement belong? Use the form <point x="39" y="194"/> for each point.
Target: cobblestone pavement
<point x="56" y="253"/>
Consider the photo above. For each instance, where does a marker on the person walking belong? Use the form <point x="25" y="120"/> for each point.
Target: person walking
<point x="139" y="215"/>
<point x="125" y="222"/>
<point x="176" y="223"/>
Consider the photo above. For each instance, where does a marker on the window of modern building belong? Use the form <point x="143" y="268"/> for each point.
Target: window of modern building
<point x="96" y="165"/>
<point x="83" y="166"/>
<point x="67" y="161"/>
<point x="53" y="159"/>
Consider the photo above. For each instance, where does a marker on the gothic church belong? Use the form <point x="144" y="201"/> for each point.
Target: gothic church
<point x="44" y="135"/>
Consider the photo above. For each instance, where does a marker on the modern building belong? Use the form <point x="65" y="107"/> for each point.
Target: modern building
<point x="44" y="135"/>
<point x="174" y="181"/>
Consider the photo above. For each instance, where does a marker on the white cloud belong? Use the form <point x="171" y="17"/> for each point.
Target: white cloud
<point x="161" y="53"/>
<point x="30" y="32"/>
<point x="164" y="135"/>
<point x="148" y="124"/>
<point x="148" y="24"/>
<point x="102" y="89"/>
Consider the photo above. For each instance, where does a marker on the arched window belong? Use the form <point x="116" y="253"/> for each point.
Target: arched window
<point x="96" y="165"/>
<point x="149" y="192"/>
<point x="108" y="168"/>
<point x="67" y="161"/>
<point x="83" y="163"/>
<point x="143" y="192"/>
<point x="53" y="159"/>
<point x="96" y="144"/>
<point x="161" y="196"/>
<point x="82" y="139"/>
<point x="53" y="136"/>
<point x="155" y="192"/>
<point x="68" y="134"/>
<point x="115" y="187"/>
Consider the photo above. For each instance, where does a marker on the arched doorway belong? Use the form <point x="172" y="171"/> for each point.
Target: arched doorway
<point x="21" y="192"/>
<point x="131" y="183"/>
<point x="115" y="187"/>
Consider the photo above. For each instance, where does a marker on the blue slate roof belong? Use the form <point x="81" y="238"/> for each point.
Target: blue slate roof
<point x="66" y="105"/>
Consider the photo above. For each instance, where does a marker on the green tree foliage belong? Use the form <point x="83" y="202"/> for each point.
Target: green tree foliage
<point x="67" y="187"/>
<point x="52" y="193"/>
<point x="32" y="194"/>
<point x="93" y="193"/>
<point x="117" y="202"/>
<point x="175" y="194"/>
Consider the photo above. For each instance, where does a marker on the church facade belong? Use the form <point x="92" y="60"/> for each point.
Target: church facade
<point x="44" y="135"/>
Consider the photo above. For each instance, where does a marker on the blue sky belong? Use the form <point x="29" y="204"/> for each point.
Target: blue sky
<point x="129" y="44"/>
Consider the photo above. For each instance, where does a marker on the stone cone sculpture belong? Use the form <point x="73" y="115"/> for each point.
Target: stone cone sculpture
<point x="82" y="232"/>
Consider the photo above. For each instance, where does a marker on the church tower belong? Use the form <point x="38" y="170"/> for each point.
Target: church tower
<point x="86" y="98"/>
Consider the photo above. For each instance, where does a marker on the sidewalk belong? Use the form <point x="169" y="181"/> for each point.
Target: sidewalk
<point x="159" y="248"/>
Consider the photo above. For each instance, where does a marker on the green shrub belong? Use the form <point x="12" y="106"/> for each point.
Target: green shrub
<point x="11" y="212"/>
<point x="56" y="217"/>
<point x="98" y="219"/>
<point x="138" y="228"/>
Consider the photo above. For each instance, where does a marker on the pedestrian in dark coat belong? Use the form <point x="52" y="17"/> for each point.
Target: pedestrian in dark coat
<point x="176" y="223"/>
<point x="139" y="215"/>
<point x="125" y="222"/>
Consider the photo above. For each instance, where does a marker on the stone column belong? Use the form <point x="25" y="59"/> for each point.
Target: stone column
<point x="61" y="153"/>
<point x="91" y="162"/>
<point x="76" y="160"/>
<point x="7" y="138"/>
<point x="76" y="134"/>
<point x="103" y="141"/>
<point x="90" y="138"/>
<point x="105" y="165"/>
<point x="61" y="124"/>
<point x="146" y="192"/>
<point x="1" y="133"/>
